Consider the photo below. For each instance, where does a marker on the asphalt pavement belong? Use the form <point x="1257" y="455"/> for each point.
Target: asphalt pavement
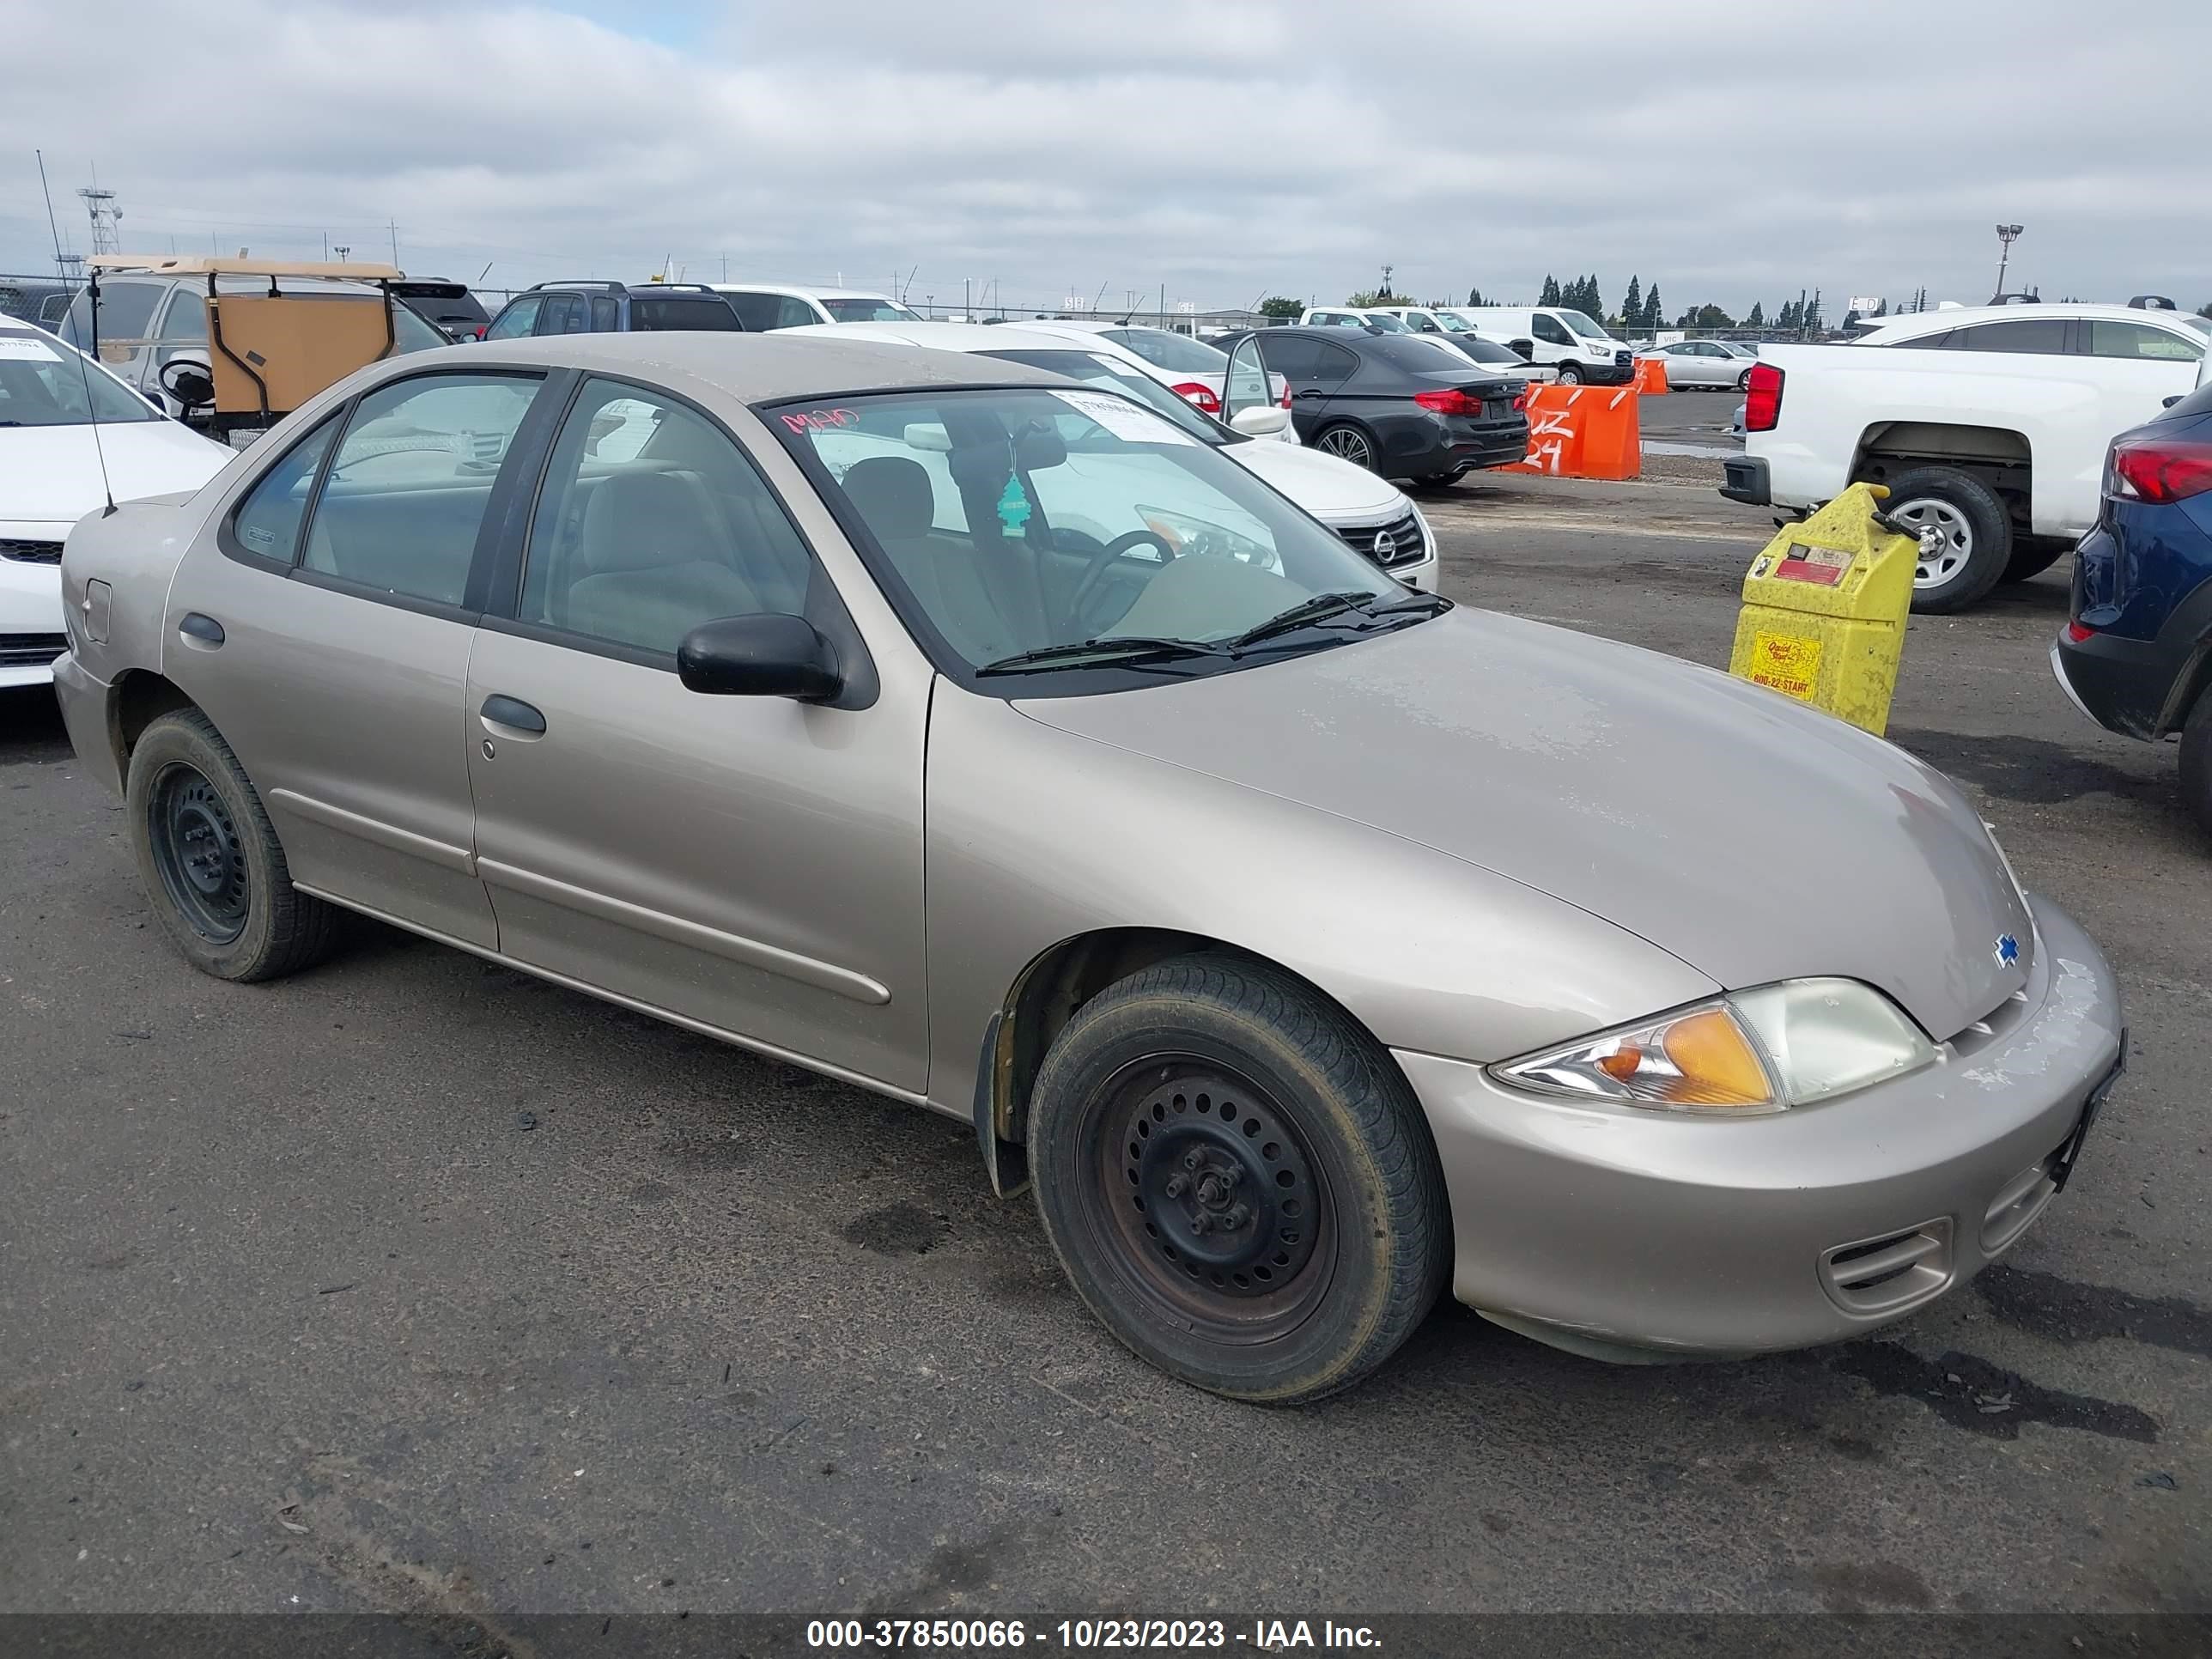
<point x="414" y="1283"/>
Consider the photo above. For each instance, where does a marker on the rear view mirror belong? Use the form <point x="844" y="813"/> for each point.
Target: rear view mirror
<point x="759" y="656"/>
<point x="1038" y="446"/>
<point x="1260" y="421"/>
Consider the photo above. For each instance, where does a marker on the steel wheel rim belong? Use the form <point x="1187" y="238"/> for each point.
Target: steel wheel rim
<point x="1158" y="1143"/>
<point x="1570" y="377"/>
<point x="1953" y="548"/>
<point x="198" y="853"/>
<point x="1347" y="445"/>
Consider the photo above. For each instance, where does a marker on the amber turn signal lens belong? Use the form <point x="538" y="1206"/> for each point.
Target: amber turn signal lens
<point x="1717" y="1065"/>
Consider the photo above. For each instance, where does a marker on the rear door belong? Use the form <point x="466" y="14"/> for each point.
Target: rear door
<point x="748" y="865"/>
<point x="327" y="632"/>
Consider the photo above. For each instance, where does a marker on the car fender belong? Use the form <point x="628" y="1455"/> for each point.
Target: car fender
<point x="1037" y="837"/>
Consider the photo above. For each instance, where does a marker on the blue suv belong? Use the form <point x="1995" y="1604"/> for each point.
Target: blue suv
<point x="2135" y="656"/>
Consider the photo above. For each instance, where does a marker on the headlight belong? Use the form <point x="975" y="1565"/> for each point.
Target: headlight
<point x="1428" y="535"/>
<point x="1763" y="1050"/>
<point x="1186" y="536"/>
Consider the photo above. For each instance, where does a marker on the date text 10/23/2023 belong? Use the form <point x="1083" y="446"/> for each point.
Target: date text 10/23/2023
<point x="976" y="1635"/>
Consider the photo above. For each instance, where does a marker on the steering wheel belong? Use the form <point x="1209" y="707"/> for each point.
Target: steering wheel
<point x="174" y="378"/>
<point x="1104" y="560"/>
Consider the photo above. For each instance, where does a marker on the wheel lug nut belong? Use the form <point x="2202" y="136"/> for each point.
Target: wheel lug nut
<point x="1236" y="1217"/>
<point x="1176" y="1186"/>
<point x="1232" y="1175"/>
<point x="1200" y="1222"/>
<point x="1190" y="1160"/>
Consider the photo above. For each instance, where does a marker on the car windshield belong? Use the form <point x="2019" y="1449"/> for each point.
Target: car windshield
<point x="1169" y="349"/>
<point x="1454" y="323"/>
<point x="1582" y="325"/>
<point x="1385" y="321"/>
<point x="1045" y="540"/>
<point x="1104" y="373"/>
<point x="44" y="383"/>
<point x="869" y="311"/>
<point x="2201" y="325"/>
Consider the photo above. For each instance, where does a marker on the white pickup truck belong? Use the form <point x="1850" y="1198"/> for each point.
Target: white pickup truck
<point x="1988" y="424"/>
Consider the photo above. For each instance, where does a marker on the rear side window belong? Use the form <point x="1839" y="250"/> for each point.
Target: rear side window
<point x="1416" y="356"/>
<point x="267" y="522"/>
<point x="2043" y="337"/>
<point x="665" y="312"/>
<point x="412" y="478"/>
<point x="2110" y="339"/>
<point x="758" y="311"/>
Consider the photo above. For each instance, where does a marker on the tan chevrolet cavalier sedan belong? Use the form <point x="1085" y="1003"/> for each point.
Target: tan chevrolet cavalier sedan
<point x="986" y="740"/>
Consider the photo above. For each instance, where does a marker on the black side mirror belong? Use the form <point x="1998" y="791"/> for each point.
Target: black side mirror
<point x="2168" y="403"/>
<point x="759" y="656"/>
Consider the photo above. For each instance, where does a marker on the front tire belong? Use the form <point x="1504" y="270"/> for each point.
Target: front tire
<point x="211" y="861"/>
<point x="1972" y="543"/>
<point x="1238" y="1181"/>
<point x="1570" y="376"/>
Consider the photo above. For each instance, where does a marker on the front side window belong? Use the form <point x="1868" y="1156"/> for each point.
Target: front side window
<point x="1548" y="328"/>
<point x="407" y="491"/>
<point x="267" y="522"/>
<point x="43" y="383"/>
<point x="1068" y="522"/>
<point x="2111" y="339"/>
<point x="651" y="522"/>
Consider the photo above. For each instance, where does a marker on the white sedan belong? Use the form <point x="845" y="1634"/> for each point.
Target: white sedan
<point x="1713" y="365"/>
<point x="51" y="474"/>
<point x="1371" y="514"/>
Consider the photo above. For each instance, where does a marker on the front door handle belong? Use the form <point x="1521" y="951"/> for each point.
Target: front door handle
<point x="514" y="715"/>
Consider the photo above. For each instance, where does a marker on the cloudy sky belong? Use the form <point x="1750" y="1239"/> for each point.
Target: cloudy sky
<point x="1224" y="149"/>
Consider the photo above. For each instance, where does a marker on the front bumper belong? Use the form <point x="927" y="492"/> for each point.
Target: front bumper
<point x="1598" y="373"/>
<point x="85" y="703"/>
<point x="1627" y="1234"/>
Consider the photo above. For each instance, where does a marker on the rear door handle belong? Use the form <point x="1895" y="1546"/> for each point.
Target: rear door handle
<point x="1310" y="391"/>
<point x="206" y="630"/>
<point x="514" y="715"/>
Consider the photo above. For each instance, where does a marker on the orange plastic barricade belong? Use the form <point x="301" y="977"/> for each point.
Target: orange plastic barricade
<point x="1582" y="432"/>
<point x="1651" y="376"/>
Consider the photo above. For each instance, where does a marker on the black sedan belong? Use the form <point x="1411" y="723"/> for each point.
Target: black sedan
<point x="1394" y="403"/>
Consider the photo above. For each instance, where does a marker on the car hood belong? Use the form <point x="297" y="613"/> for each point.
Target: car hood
<point x="52" y="473"/>
<point x="1326" y="487"/>
<point x="1753" y="838"/>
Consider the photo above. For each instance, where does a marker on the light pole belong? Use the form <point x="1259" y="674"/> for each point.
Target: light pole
<point x="2007" y="234"/>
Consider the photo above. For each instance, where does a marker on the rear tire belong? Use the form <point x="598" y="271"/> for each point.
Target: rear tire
<point x="1742" y="381"/>
<point x="2196" y="762"/>
<point x="211" y="861"/>
<point x="1238" y="1180"/>
<point x="1347" y="442"/>
<point x="1975" y="535"/>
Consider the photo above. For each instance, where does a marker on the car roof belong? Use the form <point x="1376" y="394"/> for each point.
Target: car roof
<point x="952" y="336"/>
<point x="802" y="293"/>
<point x="1917" y="322"/>
<point x="751" y="367"/>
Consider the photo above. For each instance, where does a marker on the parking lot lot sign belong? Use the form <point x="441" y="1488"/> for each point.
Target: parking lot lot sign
<point x="1824" y="609"/>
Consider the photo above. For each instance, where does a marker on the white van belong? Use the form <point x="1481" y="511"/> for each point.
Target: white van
<point x="1578" y="348"/>
<point x="1456" y="324"/>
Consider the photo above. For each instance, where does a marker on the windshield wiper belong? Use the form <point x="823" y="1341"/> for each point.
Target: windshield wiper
<point x="1320" y="607"/>
<point x="1134" y="651"/>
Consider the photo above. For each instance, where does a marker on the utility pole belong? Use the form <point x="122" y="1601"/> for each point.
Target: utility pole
<point x="726" y="267"/>
<point x="392" y="225"/>
<point x="967" y="299"/>
<point x="2007" y="235"/>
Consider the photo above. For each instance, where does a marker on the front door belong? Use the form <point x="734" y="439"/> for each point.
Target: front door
<point x="750" y="865"/>
<point x="347" y="576"/>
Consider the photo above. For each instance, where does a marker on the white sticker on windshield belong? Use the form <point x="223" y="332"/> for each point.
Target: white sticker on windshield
<point x="22" y="345"/>
<point x="1130" y="422"/>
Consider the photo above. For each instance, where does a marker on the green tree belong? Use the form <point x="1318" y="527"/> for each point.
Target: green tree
<point x="1880" y="308"/>
<point x="1593" y="302"/>
<point x="1811" y="320"/>
<point x="1758" y="318"/>
<point x="1654" y="317"/>
<point x="1550" y="297"/>
<point x="1711" y="316"/>
<point x="1278" y="306"/>
<point x="1632" y="308"/>
<point x="2205" y="310"/>
<point x="1475" y="297"/>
